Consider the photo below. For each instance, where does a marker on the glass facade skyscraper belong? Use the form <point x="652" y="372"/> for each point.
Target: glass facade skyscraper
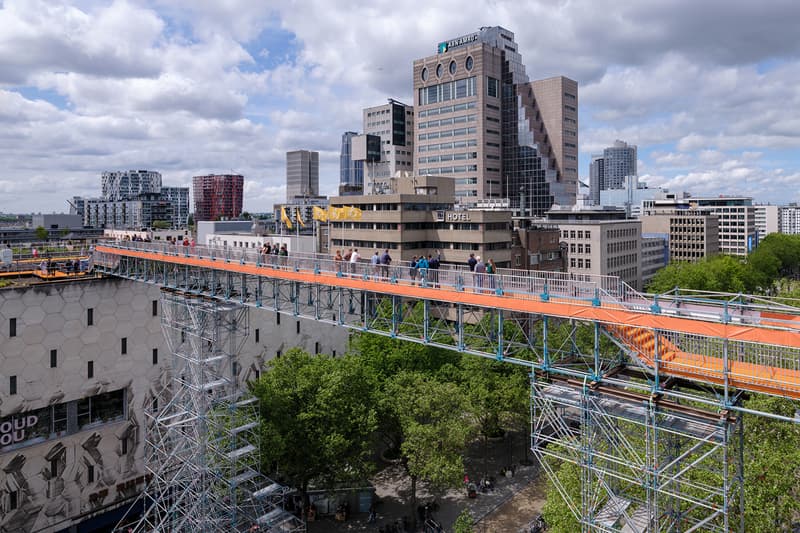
<point x="351" y="172"/>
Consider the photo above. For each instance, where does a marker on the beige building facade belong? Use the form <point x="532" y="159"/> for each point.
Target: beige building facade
<point x="417" y="216"/>
<point x="692" y="233"/>
<point x="601" y="242"/>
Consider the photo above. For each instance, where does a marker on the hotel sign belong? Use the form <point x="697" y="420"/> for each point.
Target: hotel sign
<point x="444" y="46"/>
<point x="452" y="216"/>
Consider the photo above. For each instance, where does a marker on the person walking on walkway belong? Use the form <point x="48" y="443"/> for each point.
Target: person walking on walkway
<point x="471" y="262"/>
<point x="412" y="270"/>
<point x="491" y="270"/>
<point x="375" y="261"/>
<point x="480" y="272"/>
<point x="386" y="260"/>
<point x="354" y="258"/>
<point x="422" y="266"/>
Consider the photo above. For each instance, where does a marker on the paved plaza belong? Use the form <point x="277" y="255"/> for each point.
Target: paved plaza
<point x="513" y="503"/>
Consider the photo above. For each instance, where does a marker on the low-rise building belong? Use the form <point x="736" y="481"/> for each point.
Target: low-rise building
<point x="737" y="222"/>
<point x="655" y="255"/>
<point x="693" y="233"/>
<point x="417" y="216"/>
<point x="600" y="241"/>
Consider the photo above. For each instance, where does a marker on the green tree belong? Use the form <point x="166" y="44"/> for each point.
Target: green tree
<point x="318" y="418"/>
<point x="772" y="466"/>
<point x="720" y="273"/>
<point x="432" y="430"/>
<point x="41" y="233"/>
<point x="464" y="523"/>
<point x="556" y="512"/>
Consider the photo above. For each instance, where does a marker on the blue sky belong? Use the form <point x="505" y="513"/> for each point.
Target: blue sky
<point x="709" y="91"/>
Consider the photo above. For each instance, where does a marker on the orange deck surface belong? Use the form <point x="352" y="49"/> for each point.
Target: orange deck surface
<point x="747" y="376"/>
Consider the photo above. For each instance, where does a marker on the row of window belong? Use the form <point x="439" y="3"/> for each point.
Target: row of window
<point x="572" y="234"/>
<point x="12" y="322"/>
<point x="447" y="133"/>
<point x="448" y="170"/>
<point x="446" y="109"/>
<point x="580" y="263"/>
<point x="614" y="247"/>
<point x="580" y="248"/>
<point x="451" y="68"/>
<point x="447" y="121"/>
<point x="448" y="146"/>
<point x="450" y="90"/>
<point x="448" y="157"/>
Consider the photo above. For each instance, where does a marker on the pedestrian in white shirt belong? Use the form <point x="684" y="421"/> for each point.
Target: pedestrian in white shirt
<point x="354" y="260"/>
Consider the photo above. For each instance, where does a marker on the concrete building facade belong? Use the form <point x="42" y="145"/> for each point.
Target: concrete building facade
<point x="481" y="122"/>
<point x="82" y="361"/>
<point x="692" y="234"/>
<point x="601" y="242"/>
<point x="738" y="234"/>
<point x="129" y="184"/>
<point x="790" y="219"/>
<point x="768" y="219"/>
<point x="393" y="122"/>
<point x="418" y="216"/>
<point x="302" y="174"/>
<point x="655" y="255"/>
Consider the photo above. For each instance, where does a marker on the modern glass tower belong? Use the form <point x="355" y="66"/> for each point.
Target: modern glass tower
<point x="481" y="121"/>
<point x="351" y="172"/>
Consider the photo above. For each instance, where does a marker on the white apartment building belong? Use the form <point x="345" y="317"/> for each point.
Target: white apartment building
<point x="393" y="122"/>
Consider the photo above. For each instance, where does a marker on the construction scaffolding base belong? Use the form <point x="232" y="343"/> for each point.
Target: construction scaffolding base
<point x="645" y="465"/>
<point x="202" y="431"/>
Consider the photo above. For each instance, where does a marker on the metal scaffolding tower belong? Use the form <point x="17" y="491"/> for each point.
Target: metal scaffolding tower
<point x="201" y="443"/>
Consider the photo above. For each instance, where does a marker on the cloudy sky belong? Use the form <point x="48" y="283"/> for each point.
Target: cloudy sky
<point x="709" y="91"/>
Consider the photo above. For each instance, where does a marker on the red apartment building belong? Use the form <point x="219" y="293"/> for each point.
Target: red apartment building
<point x="217" y="197"/>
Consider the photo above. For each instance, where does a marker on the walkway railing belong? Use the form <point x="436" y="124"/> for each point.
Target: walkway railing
<point x="579" y="289"/>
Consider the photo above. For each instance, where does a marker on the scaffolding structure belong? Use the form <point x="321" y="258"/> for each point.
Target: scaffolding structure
<point x="641" y="394"/>
<point x="202" y="431"/>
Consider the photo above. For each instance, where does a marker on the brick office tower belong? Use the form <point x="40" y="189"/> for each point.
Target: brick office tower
<point x="481" y="121"/>
<point x="217" y="197"/>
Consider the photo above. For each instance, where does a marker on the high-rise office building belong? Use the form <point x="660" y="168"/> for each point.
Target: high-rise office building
<point x="218" y="196"/>
<point x="737" y="222"/>
<point x="302" y="174"/>
<point x="393" y="122"/>
<point x="351" y="171"/>
<point x="619" y="161"/>
<point x="483" y="123"/>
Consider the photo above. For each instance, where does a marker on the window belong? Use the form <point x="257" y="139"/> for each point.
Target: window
<point x="452" y="67"/>
<point x="155" y="307"/>
<point x="124" y="345"/>
<point x="12" y="327"/>
<point x="469" y="62"/>
<point x="124" y="445"/>
<point x="278" y="354"/>
<point x="257" y="335"/>
<point x="101" y="409"/>
<point x="90" y="369"/>
<point x="493" y="87"/>
<point x="278" y="318"/>
<point x="439" y="70"/>
<point x="297" y="324"/>
<point x="12" y="385"/>
<point x="316" y="347"/>
<point x="90" y="317"/>
<point x="13" y="500"/>
<point x="588" y="248"/>
<point x="90" y="473"/>
<point x="53" y="358"/>
<point x="54" y="468"/>
<point x="155" y="356"/>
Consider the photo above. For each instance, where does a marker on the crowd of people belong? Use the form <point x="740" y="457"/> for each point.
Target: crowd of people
<point x="423" y="268"/>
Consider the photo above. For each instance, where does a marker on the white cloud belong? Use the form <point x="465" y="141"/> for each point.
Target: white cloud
<point x="178" y="86"/>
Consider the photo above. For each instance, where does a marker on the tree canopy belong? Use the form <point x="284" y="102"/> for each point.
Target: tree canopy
<point x="318" y="417"/>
